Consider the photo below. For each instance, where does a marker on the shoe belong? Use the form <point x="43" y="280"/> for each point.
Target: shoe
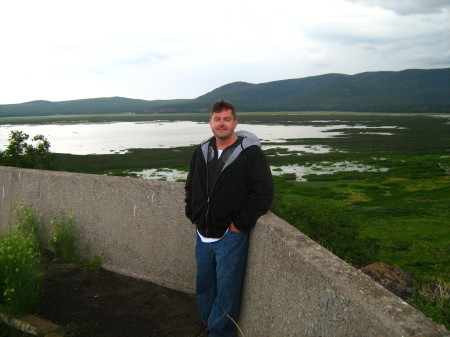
<point x="203" y="331"/>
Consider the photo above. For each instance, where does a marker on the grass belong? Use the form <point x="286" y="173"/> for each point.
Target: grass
<point x="127" y="117"/>
<point x="399" y="206"/>
<point x="65" y="243"/>
<point x="405" y="209"/>
<point x="21" y="275"/>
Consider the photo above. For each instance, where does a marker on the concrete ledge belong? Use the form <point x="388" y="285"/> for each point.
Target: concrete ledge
<point x="138" y="225"/>
<point x="293" y="286"/>
<point x="30" y="324"/>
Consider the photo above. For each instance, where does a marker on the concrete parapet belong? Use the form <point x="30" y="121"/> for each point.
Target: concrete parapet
<point x="293" y="286"/>
<point x="138" y="225"/>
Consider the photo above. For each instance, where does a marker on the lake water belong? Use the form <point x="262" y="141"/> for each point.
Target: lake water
<point x="118" y="137"/>
<point x="299" y="171"/>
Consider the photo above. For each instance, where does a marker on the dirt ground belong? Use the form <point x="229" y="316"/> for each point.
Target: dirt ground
<point x="106" y="304"/>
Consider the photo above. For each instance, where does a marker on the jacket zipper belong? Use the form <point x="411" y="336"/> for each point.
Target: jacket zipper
<point x="207" y="200"/>
<point x="209" y="193"/>
<point x="206" y="221"/>
<point x="207" y="204"/>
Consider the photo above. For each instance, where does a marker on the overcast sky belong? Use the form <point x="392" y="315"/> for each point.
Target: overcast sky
<point x="164" y="49"/>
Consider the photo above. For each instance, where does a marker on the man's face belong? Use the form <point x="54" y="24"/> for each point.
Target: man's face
<point x="223" y="124"/>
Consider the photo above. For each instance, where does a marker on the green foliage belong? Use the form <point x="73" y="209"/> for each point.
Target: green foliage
<point x="327" y="223"/>
<point x="28" y="219"/>
<point x="434" y="299"/>
<point x="19" y="153"/>
<point x="21" y="278"/>
<point x="65" y="243"/>
<point x="64" y="240"/>
<point x="20" y="275"/>
<point x="135" y="159"/>
<point x="406" y="208"/>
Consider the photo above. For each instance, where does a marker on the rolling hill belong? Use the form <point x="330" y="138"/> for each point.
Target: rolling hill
<point x="413" y="90"/>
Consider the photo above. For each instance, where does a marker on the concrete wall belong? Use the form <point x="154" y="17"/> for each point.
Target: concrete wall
<point x="293" y="286"/>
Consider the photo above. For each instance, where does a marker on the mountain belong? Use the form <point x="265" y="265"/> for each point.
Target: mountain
<point x="385" y="91"/>
<point x="84" y="106"/>
<point x="413" y="90"/>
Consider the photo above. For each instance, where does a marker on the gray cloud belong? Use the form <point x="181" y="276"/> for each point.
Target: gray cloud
<point x="408" y="7"/>
<point x="182" y="54"/>
<point x="346" y="36"/>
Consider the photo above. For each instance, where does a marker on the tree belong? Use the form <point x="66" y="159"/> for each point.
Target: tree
<point x="21" y="154"/>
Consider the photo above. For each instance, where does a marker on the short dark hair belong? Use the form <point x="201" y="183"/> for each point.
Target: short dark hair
<point x="222" y="104"/>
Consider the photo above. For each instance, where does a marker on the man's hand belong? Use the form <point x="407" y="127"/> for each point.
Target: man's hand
<point x="233" y="228"/>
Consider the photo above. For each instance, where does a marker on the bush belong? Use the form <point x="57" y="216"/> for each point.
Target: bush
<point x="19" y="153"/>
<point x="21" y="280"/>
<point x="21" y="277"/>
<point x="327" y="223"/>
<point x="29" y="220"/>
<point x="64" y="239"/>
<point x="65" y="243"/>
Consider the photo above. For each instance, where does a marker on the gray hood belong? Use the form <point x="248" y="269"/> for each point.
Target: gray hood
<point x="250" y="139"/>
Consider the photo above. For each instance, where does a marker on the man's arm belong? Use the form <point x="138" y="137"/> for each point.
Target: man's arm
<point x="260" y="190"/>
<point x="188" y="188"/>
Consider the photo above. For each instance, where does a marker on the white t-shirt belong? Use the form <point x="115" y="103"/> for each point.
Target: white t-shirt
<point x="211" y="240"/>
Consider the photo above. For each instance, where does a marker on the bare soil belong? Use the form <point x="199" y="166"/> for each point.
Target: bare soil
<point x="105" y="304"/>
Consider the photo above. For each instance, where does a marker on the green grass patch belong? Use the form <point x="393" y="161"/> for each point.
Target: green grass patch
<point x="403" y="213"/>
<point x="404" y="209"/>
<point x="65" y="243"/>
<point x="21" y="275"/>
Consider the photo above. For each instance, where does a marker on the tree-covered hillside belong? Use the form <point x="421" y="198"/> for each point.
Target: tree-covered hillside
<point x="414" y="90"/>
<point x="405" y="91"/>
<point x="83" y="106"/>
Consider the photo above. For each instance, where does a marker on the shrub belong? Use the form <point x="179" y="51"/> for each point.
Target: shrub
<point x="19" y="153"/>
<point x="21" y="277"/>
<point x="65" y="243"/>
<point x="64" y="239"/>
<point x="29" y="220"/>
<point x="21" y="280"/>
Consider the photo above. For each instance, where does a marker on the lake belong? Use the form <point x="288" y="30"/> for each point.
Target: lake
<point x="118" y="137"/>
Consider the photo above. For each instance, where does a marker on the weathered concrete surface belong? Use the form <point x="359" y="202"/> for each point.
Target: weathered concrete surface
<point x="137" y="224"/>
<point x="293" y="286"/>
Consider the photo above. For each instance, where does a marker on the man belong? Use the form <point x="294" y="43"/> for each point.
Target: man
<point x="229" y="186"/>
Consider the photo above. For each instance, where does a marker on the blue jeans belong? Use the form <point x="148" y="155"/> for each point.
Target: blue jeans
<point x="220" y="273"/>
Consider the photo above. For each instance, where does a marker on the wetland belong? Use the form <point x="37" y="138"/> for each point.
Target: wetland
<point x="389" y="172"/>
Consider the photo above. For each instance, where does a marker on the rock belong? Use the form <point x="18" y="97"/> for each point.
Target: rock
<point x="393" y="278"/>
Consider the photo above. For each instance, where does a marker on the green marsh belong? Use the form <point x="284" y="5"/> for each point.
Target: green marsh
<point x="405" y="207"/>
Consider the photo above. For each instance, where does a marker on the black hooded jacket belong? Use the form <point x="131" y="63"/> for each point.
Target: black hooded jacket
<point x="241" y="190"/>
